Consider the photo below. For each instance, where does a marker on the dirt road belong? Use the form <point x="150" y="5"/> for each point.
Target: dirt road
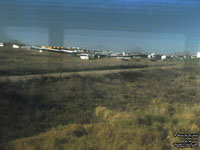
<point x="82" y="73"/>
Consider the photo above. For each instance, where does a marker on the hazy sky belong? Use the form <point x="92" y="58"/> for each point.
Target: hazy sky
<point x="117" y="25"/>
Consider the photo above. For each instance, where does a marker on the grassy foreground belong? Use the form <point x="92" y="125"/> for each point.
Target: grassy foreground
<point x="126" y="110"/>
<point x="152" y="128"/>
<point x="132" y="110"/>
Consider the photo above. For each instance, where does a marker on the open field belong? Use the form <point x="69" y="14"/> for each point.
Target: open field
<point x="24" y="62"/>
<point x="131" y="109"/>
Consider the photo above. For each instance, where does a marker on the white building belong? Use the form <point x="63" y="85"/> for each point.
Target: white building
<point x="69" y="51"/>
<point x="15" y="46"/>
<point x="193" y="56"/>
<point x="198" y="54"/>
<point x="163" y="57"/>
<point x="85" y="56"/>
<point x="1" y="44"/>
<point x="152" y="55"/>
<point x="115" y="54"/>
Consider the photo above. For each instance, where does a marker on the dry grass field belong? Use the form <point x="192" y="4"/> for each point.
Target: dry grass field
<point x="137" y="109"/>
<point x="24" y="62"/>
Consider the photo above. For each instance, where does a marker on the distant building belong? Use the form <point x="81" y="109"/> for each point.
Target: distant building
<point x="1" y="44"/>
<point x="69" y="51"/>
<point x="138" y="55"/>
<point x="124" y="57"/>
<point x="198" y="54"/>
<point x="154" y="56"/>
<point x="26" y="47"/>
<point x="15" y="46"/>
<point x="124" y="54"/>
<point x="193" y="56"/>
<point x="115" y="54"/>
<point x="80" y="51"/>
<point x="163" y="57"/>
<point x="43" y="47"/>
<point x="181" y="57"/>
<point x="101" y="54"/>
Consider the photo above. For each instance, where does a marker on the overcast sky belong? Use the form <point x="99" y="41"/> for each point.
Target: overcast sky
<point x="119" y="25"/>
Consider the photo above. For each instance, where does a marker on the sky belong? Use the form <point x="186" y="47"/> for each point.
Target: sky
<point x="162" y="26"/>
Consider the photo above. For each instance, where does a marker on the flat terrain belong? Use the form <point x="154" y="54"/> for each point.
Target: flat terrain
<point x="24" y="62"/>
<point x="133" y="108"/>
